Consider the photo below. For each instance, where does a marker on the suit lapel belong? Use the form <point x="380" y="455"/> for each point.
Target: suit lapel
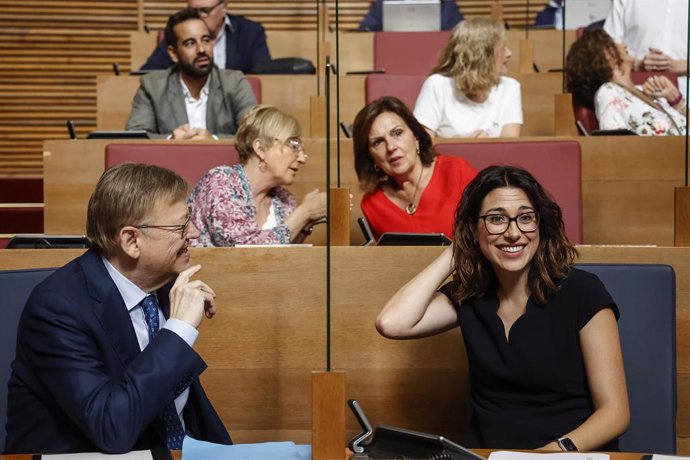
<point x="216" y="98"/>
<point x="175" y="99"/>
<point x="109" y="308"/>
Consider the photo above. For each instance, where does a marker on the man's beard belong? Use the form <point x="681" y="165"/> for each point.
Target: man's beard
<point x="197" y="72"/>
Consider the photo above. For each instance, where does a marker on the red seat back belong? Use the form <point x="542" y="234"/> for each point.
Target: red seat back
<point x="586" y="116"/>
<point x="404" y="87"/>
<point x="555" y="164"/>
<point x="190" y="161"/>
<point x="640" y="77"/>
<point x="408" y="53"/>
<point x="255" y="83"/>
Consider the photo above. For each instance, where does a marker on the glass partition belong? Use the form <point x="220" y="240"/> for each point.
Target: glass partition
<point x="627" y="185"/>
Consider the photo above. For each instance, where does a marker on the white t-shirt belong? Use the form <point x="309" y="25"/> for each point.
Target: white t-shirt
<point x="450" y="114"/>
<point x="641" y="24"/>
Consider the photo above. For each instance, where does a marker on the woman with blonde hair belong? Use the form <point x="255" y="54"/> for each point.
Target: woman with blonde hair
<point x="246" y="203"/>
<point x="468" y="94"/>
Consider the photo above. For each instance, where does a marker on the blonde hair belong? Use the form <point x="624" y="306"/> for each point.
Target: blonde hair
<point x="266" y="123"/>
<point x="469" y="57"/>
<point x="124" y="195"/>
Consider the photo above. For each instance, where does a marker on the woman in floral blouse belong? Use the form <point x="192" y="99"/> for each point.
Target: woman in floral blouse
<point x="599" y="75"/>
<point x="246" y="203"/>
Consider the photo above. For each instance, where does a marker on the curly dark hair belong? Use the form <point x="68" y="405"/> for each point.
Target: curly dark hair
<point x="473" y="274"/>
<point x="367" y="174"/>
<point x="588" y="66"/>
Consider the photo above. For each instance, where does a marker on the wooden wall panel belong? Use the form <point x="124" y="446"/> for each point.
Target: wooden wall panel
<point x="46" y="78"/>
<point x="70" y="14"/>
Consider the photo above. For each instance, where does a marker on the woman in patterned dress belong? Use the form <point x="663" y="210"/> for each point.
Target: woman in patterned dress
<point x="599" y="75"/>
<point x="246" y="203"/>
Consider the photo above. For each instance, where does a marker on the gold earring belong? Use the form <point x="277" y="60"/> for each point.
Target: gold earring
<point x="262" y="165"/>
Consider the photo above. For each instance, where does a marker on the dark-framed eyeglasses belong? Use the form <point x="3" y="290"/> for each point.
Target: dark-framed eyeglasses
<point x="497" y="224"/>
<point x="179" y="228"/>
<point x="209" y="9"/>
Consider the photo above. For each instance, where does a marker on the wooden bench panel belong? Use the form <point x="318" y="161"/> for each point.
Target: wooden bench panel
<point x="263" y="343"/>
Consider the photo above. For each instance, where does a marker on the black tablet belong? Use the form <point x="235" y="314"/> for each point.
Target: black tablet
<point x="613" y="132"/>
<point x="48" y="242"/>
<point x="392" y="442"/>
<point x="413" y="239"/>
<point x="138" y="134"/>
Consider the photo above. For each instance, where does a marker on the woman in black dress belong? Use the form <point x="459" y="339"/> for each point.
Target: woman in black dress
<point x="545" y="363"/>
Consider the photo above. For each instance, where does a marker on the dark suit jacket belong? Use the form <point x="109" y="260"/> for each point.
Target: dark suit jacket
<point x="373" y="21"/>
<point x="79" y="381"/>
<point x="546" y="17"/>
<point x="158" y="106"/>
<point x="245" y="47"/>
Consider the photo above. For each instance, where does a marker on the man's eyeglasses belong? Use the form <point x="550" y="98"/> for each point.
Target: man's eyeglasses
<point x="497" y="224"/>
<point x="209" y="9"/>
<point x="181" y="229"/>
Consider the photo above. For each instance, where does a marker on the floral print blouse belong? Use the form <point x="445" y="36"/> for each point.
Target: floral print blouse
<point x="223" y="210"/>
<point x="617" y="108"/>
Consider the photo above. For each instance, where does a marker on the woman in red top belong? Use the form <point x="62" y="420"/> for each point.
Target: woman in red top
<point x="408" y="187"/>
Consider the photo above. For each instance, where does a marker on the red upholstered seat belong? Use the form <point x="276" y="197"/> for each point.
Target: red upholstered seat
<point x="404" y="87"/>
<point x="408" y="53"/>
<point x="255" y="83"/>
<point x="188" y="160"/>
<point x="555" y="164"/>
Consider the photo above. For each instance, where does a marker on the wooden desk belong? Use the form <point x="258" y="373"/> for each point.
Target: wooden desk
<point x="538" y="90"/>
<point x="270" y="333"/>
<point x="627" y="187"/>
<point x="290" y="93"/>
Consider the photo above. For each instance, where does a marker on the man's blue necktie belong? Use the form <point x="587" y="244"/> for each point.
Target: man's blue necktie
<point x="173" y="425"/>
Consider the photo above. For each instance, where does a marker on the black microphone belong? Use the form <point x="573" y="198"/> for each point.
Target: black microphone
<point x="70" y="129"/>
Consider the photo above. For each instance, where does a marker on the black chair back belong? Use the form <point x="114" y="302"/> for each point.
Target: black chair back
<point x="646" y="298"/>
<point x="15" y="286"/>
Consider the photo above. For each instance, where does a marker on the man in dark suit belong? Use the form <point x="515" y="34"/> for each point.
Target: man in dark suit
<point x="193" y="99"/>
<point x="551" y="15"/>
<point x="373" y="21"/>
<point x="94" y="371"/>
<point x="239" y="43"/>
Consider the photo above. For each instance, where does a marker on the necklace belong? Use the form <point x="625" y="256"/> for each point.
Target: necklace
<point x="412" y="208"/>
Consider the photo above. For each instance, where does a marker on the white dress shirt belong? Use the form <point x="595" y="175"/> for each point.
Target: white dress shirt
<point x="644" y="24"/>
<point x="132" y="296"/>
<point x="220" y="54"/>
<point x="196" y="108"/>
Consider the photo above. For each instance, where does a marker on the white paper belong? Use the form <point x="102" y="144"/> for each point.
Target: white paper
<point x="668" y="457"/>
<point x="134" y="455"/>
<point x="506" y="455"/>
